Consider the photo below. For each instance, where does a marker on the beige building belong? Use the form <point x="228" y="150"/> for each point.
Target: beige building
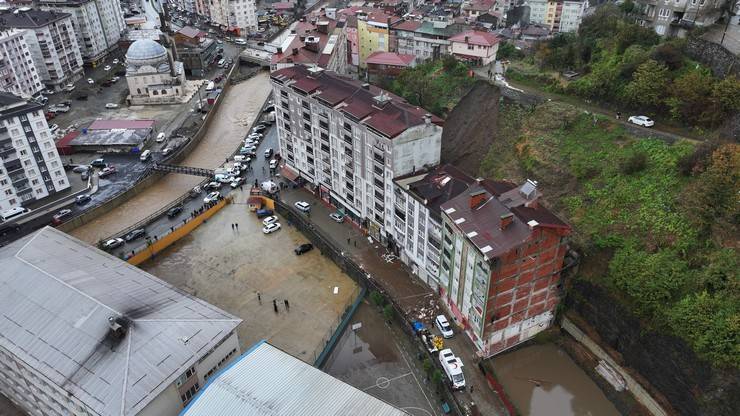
<point x="152" y="75"/>
<point x="475" y="46"/>
<point x="558" y="15"/>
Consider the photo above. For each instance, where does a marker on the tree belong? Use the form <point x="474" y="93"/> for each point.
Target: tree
<point x="691" y="96"/>
<point x="627" y="7"/>
<point x="388" y="312"/>
<point x="725" y="101"/>
<point x="669" y="54"/>
<point x="648" y="85"/>
<point x="437" y="378"/>
<point x="377" y="298"/>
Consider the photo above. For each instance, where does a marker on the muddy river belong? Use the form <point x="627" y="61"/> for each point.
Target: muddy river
<point x="542" y="380"/>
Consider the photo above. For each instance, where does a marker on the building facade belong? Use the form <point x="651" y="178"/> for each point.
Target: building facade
<point x="97" y="23"/>
<point x="676" y="18"/>
<point x="30" y="167"/>
<point x="52" y="42"/>
<point x="237" y="16"/>
<point x="426" y="40"/>
<point x="349" y="140"/>
<point x="502" y="256"/>
<point x="475" y="46"/>
<point x="195" y="50"/>
<point x="558" y="15"/>
<point x="18" y="73"/>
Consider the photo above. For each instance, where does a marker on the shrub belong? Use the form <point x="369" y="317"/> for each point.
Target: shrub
<point x="377" y="298"/>
<point x="388" y="312"/>
<point x="634" y="163"/>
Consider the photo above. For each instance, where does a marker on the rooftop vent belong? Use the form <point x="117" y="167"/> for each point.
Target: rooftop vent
<point x="382" y="99"/>
<point x="529" y="189"/>
<point x="117" y="328"/>
<point x="366" y="86"/>
<point x="315" y="70"/>
<point x="506" y="220"/>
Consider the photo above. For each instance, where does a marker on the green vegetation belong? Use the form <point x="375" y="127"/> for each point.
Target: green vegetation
<point x="656" y="222"/>
<point x="437" y="86"/>
<point x="628" y="65"/>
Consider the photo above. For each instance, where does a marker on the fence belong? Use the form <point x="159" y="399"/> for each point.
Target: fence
<point x="330" y="338"/>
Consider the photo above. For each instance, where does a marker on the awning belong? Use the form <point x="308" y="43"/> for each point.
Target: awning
<point x="288" y="173"/>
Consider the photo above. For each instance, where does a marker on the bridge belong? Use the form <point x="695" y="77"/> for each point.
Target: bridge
<point x="256" y="56"/>
<point x="184" y="170"/>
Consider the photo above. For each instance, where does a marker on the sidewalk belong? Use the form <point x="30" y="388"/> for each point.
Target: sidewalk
<point x="415" y="298"/>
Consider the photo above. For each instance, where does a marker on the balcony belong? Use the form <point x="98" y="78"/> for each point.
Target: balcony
<point x="378" y="158"/>
<point x="324" y="125"/>
<point x="8" y="154"/>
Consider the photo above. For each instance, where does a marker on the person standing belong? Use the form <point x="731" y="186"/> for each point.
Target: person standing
<point x="274" y="305"/>
<point x="287" y="305"/>
<point x="259" y="298"/>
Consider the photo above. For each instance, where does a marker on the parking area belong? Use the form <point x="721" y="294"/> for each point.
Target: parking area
<point x="243" y="271"/>
<point x="379" y="362"/>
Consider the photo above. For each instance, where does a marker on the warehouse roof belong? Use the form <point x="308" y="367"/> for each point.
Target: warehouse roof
<point x="268" y="381"/>
<point x="56" y="297"/>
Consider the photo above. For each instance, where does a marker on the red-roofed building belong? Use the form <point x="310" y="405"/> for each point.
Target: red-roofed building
<point x="476" y="46"/>
<point x="501" y="260"/>
<point x="388" y="64"/>
<point x="348" y="140"/>
<point x="317" y="40"/>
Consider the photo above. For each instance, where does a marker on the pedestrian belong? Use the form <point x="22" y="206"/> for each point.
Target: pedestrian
<point x="355" y="243"/>
<point x="237" y="226"/>
<point x="287" y="305"/>
<point x="172" y="229"/>
<point x="619" y="115"/>
<point x="348" y="241"/>
<point x="232" y="226"/>
<point x="274" y="305"/>
<point x="259" y="298"/>
<point x="471" y="389"/>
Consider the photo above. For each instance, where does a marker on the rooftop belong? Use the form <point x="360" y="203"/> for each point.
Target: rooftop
<point x="12" y="105"/>
<point x="476" y="37"/>
<point x="309" y="43"/>
<point x="191" y="32"/>
<point x="114" y="133"/>
<point x="480" y="211"/>
<point x="28" y="19"/>
<point x="390" y="58"/>
<point x="389" y="118"/>
<point x="56" y="296"/>
<point x="121" y="124"/>
<point x="286" y="386"/>
<point x="435" y="187"/>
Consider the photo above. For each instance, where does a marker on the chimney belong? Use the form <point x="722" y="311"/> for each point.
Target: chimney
<point x="506" y="220"/>
<point x="322" y="27"/>
<point x="477" y="199"/>
<point x="366" y="86"/>
<point x="427" y="119"/>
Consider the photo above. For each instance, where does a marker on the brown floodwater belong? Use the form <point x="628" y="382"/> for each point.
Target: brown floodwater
<point x="542" y="380"/>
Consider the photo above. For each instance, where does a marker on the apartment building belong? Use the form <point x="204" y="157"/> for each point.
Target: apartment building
<point x="417" y="218"/>
<point x="558" y="15"/>
<point x="477" y="47"/>
<point x="315" y="40"/>
<point x="237" y="16"/>
<point x="426" y="40"/>
<point x="85" y="333"/>
<point x="349" y="140"/>
<point x="502" y="256"/>
<point x="18" y="73"/>
<point x="677" y="17"/>
<point x="52" y="42"/>
<point x="97" y="23"/>
<point x="30" y="167"/>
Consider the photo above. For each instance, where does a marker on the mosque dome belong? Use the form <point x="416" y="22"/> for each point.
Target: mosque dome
<point x="146" y="52"/>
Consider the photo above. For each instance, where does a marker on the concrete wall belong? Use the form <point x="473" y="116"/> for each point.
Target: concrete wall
<point x="720" y="60"/>
<point x="169" y="239"/>
<point x="210" y="361"/>
<point x="167" y="403"/>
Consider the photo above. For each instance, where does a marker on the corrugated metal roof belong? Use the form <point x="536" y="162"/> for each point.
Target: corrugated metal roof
<point x="56" y="295"/>
<point x="268" y="381"/>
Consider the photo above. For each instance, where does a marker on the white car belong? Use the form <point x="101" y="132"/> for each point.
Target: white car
<point x="212" y="197"/>
<point x="444" y="326"/>
<point x="115" y="61"/>
<point x="236" y="182"/>
<point x="113" y="243"/>
<point x="111" y="106"/>
<point x="53" y="128"/>
<point x="161" y="137"/>
<point x="90" y="81"/>
<point x="336" y="217"/>
<point x="213" y="185"/>
<point x="106" y="68"/>
<point x="303" y="206"/>
<point x="69" y="87"/>
<point x="269" y="229"/>
<point x="453" y="368"/>
<point x="643" y="121"/>
<point x="269" y="220"/>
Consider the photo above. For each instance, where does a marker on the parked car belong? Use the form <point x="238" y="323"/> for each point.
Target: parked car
<point x="113" y="243"/>
<point x="213" y="185"/>
<point x="269" y="220"/>
<point x="98" y="163"/>
<point x="166" y="151"/>
<point x="262" y="213"/>
<point x="82" y="199"/>
<point x="85" y="175"/>
<point x="269" y="229"/>
<point x="259" y="128"/>
<point x="174" y="211"/>
<point x="115" y="61"/>
<point x="80" y="169"/>
<point x="111" y="106"/>
<point x="90" y="81"/>
<point x="106" y="171"/>
<point x="303" y="248"/>
<point x="268" y="153"/>
<point x="161" y="137"/>
<point x="336" y="217"/>
<point x="135" y="234"/>
<point x="303" y="206"/>
<point x="212" y="197"/>
<point x="59" y="216"/>
<point x="69" y="87"/>
<point x="106" y="68"/>
<point x="237" y="182"/>
<point x="53" y="128"/>
<point x="444" y="326"/>
<point x="643" y="121"/>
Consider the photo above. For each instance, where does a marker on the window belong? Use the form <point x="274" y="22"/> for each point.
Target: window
<point x="471" y="47"/>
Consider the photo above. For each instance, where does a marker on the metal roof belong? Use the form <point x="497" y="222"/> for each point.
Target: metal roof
<point x="268" y="381"/>
<point x="56" y="295"/>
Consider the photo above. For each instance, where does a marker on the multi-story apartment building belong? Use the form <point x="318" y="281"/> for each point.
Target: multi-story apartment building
<point x="417" y="218"/>
<point x="85" y="333"/>
<point x="30" y="167"/>
<point x="676" y="17"/>
<point x="502" y="256"/>
<point x="97" y="23"/>
<point x="52" y="42"/>
<point x="349" y="140"/>
<point x="373" y="33"/>
<point x="18" y="73"/>
<point x="237" y="16"/>
<point x="475" y="46"/>
<point x="316" y="40"/>
<point x="426" y="40"/>
<point x="558" y="15"/>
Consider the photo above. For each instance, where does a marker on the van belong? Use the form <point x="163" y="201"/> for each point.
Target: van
<point x="211" y="86"/>
<point x="268" y="153"/>
<point x="453" y="368"/>
<point x="13" y="212"/>
<point x="145" y="155"/>
<point x="273" y="164"/>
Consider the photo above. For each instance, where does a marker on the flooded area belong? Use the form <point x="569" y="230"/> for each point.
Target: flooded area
<point x="542" y="380"/>
<point x="228" y="268"/>
<point x="242" y="104"/>
<point x="379" y="362"/>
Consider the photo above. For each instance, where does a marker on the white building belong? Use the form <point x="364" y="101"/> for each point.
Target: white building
<point x="239" y="16"/>
<point x="558" y="15"/>
<point x="417" y="219"/>
<point x="678" y="17"/>
<point x="152" y="75"/>
<point x="30" y="167"/>
<point x="84" y="333"/>
<point x="52" y="42"/>
<point x="350" y="140"/>
<point x="97" y="23"/>
<point x="18" y="73"/>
